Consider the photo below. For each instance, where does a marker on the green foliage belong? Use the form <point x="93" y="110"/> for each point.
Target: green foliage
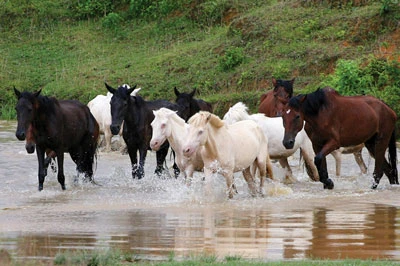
<point x="93" y="8"/>
<point x="150" y="9"/>
<point x="112" y="21"/>
<point x="233" y="57"/>
<point x="379" y="78"/>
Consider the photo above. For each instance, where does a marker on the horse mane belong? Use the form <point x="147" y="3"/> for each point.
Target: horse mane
<point x="286" y="84"/>
<point x="46" y="104"/>
<point x="165" y="112"/>
<point x="311" y="103"/>
<point x="237" y="112"/>
<point x="202" y="117"/>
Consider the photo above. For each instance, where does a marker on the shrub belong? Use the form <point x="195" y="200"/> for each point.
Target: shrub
<point x="233" y="57"/>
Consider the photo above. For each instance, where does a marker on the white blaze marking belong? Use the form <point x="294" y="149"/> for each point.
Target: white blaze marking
<point x="288" y="111"/>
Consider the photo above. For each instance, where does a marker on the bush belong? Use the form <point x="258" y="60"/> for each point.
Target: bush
<point x="233" y="57"/>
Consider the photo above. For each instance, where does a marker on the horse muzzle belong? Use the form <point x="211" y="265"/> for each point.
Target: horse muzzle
<point x="155" y="145"/>
<point x="20" y="135"/>
<point x="289" y="144"/>
<point x="30" y="148"/>
<point x="115" y="129"/>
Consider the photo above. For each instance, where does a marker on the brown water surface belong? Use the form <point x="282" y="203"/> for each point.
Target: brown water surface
<point x="155" y="217"/>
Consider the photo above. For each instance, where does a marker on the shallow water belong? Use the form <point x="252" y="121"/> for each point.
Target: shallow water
<point x="155" y="217"/>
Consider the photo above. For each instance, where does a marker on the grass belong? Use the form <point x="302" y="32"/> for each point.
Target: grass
<point x="116" y="257"/>
<point x="71" y="58"/>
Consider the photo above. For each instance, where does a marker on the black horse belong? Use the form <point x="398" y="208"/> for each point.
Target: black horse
<point x="189" y="105"/>
<point x="58" y="126"/>
<point x="137" y="115"/>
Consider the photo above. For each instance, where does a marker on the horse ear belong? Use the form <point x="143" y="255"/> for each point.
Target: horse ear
<point x="132" y="89"/>
<point x="292" y="81"/>
<point x="109" y="88"/>
<point x="17" y="93"/>
<point x="302" y="98"/>
<point x="36" y="94"/>
<point x="193" y="93"/>
<point x="177" y="93"/>
<point x="274" y="82"/>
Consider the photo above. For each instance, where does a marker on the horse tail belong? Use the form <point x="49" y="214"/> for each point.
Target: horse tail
<point x="393" y="157"/>
<point x="94" y="133"/>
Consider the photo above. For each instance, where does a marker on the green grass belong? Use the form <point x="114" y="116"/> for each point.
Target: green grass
<point x="71" y="58"/>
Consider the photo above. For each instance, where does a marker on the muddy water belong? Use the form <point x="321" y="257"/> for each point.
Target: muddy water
<point x="155" y="217"/>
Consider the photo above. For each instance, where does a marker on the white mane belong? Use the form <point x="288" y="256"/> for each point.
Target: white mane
<point x="236" y="113"/>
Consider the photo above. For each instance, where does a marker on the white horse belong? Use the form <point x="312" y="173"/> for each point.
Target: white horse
<point x="167" y="125"/>
<point x="274" y="131"/>
<point x="101" y="109"/>
<point x="229" y="148"/>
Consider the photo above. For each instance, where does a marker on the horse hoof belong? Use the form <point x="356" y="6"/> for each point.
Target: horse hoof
<point x="40" y="187"/>
<point x="374" y="185"/>
<point x="63" y="187"/>
<point x="328" y="184"/>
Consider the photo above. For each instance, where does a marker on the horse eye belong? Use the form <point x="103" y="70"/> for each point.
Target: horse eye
<point x="163" y="125"/>
<point x="200" y="132"/>
<point x="297" y="117"/>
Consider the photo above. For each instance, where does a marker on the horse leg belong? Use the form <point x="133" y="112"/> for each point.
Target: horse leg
<point x="337" y="154"/>
<point x="161" y="154"/>
<point x="289" y="179"/>
<point x="175" y="166"/>
<point x="60" y="166"/>
<point x="142" y="160"/>
<point x="311" y="169"/>
<point x="359" y="159"/>
<point x="263" y="169"/>
<point x="320" y="163"/>
<point x="107" y="138"/>
<point x="379" y="156"/>
<point x="228" y="174"/>
<point x="132" y="151"/>
<point x="250" y="181"/>
<point x="41" y="169"/>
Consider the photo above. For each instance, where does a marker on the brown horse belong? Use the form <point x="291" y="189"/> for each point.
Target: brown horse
<point x="58" y="126"/>
<point x="334" y="121"/>
<point x="273" y="102"/>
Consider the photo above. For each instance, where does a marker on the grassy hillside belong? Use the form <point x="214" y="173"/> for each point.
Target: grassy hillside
<point x="229" y="50"/>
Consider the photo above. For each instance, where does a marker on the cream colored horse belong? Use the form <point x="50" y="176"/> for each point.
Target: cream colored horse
<point x="167" y="125"/>
<point x="227" y="149"/>
<point x="274" y="132"/>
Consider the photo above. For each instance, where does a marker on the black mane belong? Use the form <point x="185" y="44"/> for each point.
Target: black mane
<point x="312" y="103"/>
<point x="286" y="84"/>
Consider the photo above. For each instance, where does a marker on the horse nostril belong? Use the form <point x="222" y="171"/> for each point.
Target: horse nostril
<point x="20" y="135"/>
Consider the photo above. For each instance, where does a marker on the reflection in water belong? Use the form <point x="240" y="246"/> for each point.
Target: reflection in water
<point x="153" y="217"/>
<point x="322" y="233"/>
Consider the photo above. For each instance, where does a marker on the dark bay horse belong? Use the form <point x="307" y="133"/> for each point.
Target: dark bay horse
<point x="137" y="115"/>
<point x="274" y="101"/>
<point x="189" y="105"/>
<point x="334" y="121"/>
<point x="57" y="127"/>
<point x="30" y="145"/>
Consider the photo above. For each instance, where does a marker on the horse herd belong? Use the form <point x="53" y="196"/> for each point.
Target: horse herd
<point x="316" y="124"/>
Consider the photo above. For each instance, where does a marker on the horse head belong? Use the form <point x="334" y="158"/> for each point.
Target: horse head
<point x="161" y="127"/>
<point x="119" y="102"/>
<point x="236" y="113"/>
<point x="283" y="91"/>
<point x="187" y="104"/>
<point x="26" y="110"/>
<point x="197" y="132"/>
<point x="293" y="120"/>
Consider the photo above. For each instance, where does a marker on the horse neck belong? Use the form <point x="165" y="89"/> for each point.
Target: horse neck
<point x="45" y="111"/>
<point x="132" y="115"/>
<point x="175" y="138"/>
<point x="212" y="140"/>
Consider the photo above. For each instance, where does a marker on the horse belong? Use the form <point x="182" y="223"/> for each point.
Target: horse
<point x="101" y="110"/>
<point x="274" y="101"/>
<point x="334" y="121"/>
<point x="229" y="148"/>
<point x="168" y="126"/>
<point x="137" y="115"/>
<point x="30" y="145"/>
<point x="60" y="126"/>
<point x="273" y="130"/>
<point x="190" y="105"/>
